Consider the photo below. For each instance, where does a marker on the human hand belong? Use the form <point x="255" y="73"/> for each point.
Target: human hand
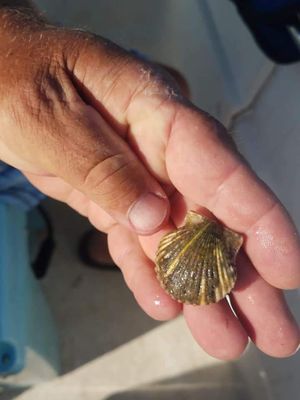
<point x="92" y="126"/>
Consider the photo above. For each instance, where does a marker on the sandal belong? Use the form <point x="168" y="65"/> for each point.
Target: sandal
<point x="93" y="251"/>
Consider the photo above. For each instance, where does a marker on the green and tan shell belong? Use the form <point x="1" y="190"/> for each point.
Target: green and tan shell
<point x="195" y="263"/>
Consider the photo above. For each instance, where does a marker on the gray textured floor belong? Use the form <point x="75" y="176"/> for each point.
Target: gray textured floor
<point x="94" y="309"/>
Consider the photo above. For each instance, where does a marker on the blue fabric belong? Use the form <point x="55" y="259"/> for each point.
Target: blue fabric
<point x="16" y="190"/>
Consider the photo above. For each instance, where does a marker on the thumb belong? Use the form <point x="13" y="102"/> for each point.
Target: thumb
<point x="102" y="165"/>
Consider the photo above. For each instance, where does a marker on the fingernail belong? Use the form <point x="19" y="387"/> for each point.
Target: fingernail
<point x="148" y="213"/>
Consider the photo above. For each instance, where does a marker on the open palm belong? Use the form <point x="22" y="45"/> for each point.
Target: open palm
<point x="189" y="156"/>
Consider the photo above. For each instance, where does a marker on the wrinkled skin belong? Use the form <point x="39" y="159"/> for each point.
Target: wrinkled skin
<point x="92" y="126"/>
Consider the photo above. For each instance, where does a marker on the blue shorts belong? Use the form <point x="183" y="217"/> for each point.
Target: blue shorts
<point x="16" y="190"/>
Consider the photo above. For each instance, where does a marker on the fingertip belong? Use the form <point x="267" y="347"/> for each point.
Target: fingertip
<point x="283" y="342"/>
<point x="139" y="275"/>
<point x="232" y="351"/>
<point x="158" y="306"/>
<point x="264" y="312"/>
<point x="148" y="293"/>
<point x="148" y="213"/>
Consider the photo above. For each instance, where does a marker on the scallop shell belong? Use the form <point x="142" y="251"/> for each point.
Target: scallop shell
<point x="195" y="263"/>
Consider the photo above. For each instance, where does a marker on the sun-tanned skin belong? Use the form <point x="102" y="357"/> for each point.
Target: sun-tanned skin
<point x="94" y="127"/>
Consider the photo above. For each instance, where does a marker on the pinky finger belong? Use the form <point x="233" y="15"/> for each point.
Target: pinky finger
<point x="139" y="275"/>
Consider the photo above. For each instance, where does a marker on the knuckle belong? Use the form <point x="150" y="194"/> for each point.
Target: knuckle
<point x="111" y="180"/>
<point x="120" y="70"/>
<point x="44" y="95"/>
<point x="49" y="96"/>
<point x="151" y="82"/>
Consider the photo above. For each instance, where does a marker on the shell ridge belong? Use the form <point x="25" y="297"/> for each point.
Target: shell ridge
<point x="171" y="240"/>
<point x="222" y="284"/>
<point x="220" y="266"/>
<point x="233" y="242"/>
<point x="179" y="273"/>
<point x="197" y="263"/>
<point x="205" y="266"/>
<point x="229" y="268"/>
<point x="168" y="239"/>
<point x="202" y="266"/>
<point x="185" y="248"/>
<point x="218" y="288"/>
<point x="212" y="277"/>
<point x="192" y="258"/>
<point x="168" y="250"/>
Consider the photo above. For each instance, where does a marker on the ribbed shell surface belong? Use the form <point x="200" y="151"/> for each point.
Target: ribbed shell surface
<point x="195" y="263"/>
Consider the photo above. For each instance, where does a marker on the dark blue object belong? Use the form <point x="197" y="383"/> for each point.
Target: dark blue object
<point x="270" y="5"/>
<point x="275" y="25"/>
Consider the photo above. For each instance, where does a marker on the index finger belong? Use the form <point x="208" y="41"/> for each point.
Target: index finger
<point x="209" y="171"/>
